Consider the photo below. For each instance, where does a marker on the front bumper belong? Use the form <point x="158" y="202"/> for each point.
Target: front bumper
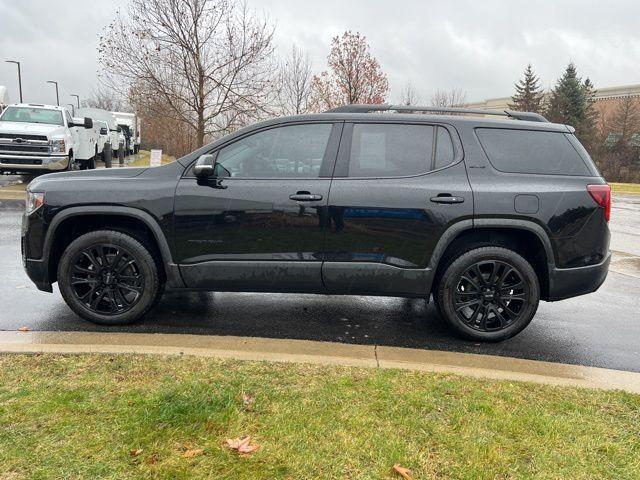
<point x="52" y="163"/>
<point x="37" y="270"/>
<point x="572" y="282"/>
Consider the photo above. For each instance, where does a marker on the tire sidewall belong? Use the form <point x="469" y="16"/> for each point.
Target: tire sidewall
<point x="145" y="262"/>
<point x="452" y="274"/>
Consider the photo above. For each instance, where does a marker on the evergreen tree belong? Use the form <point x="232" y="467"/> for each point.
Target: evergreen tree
<point x="589" y="127"/>
<point x="571" y="102"/>
<point x="529" y="94"/>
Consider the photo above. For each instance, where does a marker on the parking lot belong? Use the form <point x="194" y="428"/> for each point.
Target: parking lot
<point x="601" y="329"/>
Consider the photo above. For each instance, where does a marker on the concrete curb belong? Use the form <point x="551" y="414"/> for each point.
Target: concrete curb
<point x="324" y="353"/>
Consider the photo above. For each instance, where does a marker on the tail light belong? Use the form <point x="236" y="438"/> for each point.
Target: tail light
<point x="602" y="196"/>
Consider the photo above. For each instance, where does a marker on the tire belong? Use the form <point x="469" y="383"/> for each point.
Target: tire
<point x="107" y="155"/>
<point x="121" y="156"/>
<point x="92" y="161"/>
<point x="488" y="294"/>
<point x="109" y="278"/>
<point x="72" y="163"/>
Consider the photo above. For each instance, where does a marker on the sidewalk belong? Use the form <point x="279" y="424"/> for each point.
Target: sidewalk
<point x="323" y="353"/>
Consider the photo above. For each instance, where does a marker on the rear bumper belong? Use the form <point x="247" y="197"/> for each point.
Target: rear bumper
<point x="572" y="282"/>
<point x="34" y="162"/>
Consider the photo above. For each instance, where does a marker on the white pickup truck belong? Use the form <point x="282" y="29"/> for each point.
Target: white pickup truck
<point x="112" y="140"/>
<point x="36" y="138"/>
<point x="130" y="124"/>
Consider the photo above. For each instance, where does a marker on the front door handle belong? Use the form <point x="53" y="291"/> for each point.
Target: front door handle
<point x="447" y="199"/>
<point x="305" y="197"/>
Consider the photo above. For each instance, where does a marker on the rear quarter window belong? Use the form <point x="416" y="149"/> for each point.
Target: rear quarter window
<point x="532" y="152"/>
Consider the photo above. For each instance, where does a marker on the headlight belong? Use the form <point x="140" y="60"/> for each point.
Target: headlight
<point x="34" y="201"/>
<point x="58" y="146"/>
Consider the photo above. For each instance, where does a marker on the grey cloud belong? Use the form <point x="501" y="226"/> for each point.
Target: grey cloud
<point x="479" y="46"/>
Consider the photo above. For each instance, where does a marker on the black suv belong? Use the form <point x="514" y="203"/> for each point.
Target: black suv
<point x="487" y="215"/>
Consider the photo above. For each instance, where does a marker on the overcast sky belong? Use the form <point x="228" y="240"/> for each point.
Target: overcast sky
<point x="477" y="46"/>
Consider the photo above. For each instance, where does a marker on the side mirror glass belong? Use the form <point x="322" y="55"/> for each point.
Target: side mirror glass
<point x="88" y="123"/>
<point x="205" y="166"/>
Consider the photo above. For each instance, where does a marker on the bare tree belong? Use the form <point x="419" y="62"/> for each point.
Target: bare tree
<point x="626" y="118"/>
<point x="410" y="95"/>
<point x="105" y="99"/>
<point x="453" y="97"/>
<point x="209" y="61"/>
<point x="354" y="75"/>
<point x="294" y="83"/>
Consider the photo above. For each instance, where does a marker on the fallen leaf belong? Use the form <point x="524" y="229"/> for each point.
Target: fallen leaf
<point x="242" y="445"/>
<point x="403" y="472"/>
<point x="23" y="329"/>
<point x="192" y="452"/>
<point x="248" y="401"/>
<point x="135" y="452"/>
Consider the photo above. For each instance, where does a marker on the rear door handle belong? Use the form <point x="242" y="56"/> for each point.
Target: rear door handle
<point x="305" y="197"/>
<point x="447" y="199"/>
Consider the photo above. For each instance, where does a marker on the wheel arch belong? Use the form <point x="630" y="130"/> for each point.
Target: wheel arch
<point x="524" y="237"/>
<point x="75" y="221"/>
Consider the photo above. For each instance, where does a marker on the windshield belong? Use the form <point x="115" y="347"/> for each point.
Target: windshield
<point x="32" y="115"/>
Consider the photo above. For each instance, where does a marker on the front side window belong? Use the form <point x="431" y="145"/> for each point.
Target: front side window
<point x="294" y="151"/>
<point x="390" y="150"/>
<point x="32" y="115"/>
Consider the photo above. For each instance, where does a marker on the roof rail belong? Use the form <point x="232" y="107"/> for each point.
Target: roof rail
<point x="529" y="116"/>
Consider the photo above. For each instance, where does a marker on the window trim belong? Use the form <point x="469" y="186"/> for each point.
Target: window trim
<point x="541" y="174"/>
<point x="328" y="161"/>
<point x="344" y="154"/>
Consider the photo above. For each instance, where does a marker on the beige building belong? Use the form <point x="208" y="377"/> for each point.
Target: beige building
<point x="607" y="100"/>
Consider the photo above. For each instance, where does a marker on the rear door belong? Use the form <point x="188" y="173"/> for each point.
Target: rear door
<point x="260" y="225"/>
<point x="396" y="188"/>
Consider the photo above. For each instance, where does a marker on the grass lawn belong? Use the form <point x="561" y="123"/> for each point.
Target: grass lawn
<point x="625" y="188"/>
<point x="145" y="157"/>
<point x="124" y="417"/>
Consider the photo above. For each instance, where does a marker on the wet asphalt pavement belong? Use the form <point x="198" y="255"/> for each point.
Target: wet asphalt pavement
<point x="602" y="329"/>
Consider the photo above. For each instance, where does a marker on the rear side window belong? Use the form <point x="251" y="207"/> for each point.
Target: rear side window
<point x="444" y="148"/>
<point x="529" y="151"/>
<point x="390" y="150"/>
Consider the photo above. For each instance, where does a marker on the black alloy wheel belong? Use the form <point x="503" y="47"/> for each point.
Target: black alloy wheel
<point x="107" y="279"/>
<point x="490" y="295"/>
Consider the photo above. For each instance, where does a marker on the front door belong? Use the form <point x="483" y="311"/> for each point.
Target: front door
<point x="260" y="226"/>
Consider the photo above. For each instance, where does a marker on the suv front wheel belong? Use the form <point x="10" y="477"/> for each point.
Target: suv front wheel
<point x="488" y="294"/>
<point x="108" y="277"/>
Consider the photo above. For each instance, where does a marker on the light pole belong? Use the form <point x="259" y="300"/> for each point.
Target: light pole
<point x="19" y="77"/>
<point x="77" y="98"/>
<point x="57" y="96"/>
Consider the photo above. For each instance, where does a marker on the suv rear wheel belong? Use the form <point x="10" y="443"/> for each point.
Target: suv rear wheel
<point x="109" y="278"/>
<point x="488" y="294"/>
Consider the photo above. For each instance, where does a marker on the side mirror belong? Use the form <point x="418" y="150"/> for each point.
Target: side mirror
<point x="205" y="166"/>
<point x="85" y="122"/>
<point x="119" y="129"/>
